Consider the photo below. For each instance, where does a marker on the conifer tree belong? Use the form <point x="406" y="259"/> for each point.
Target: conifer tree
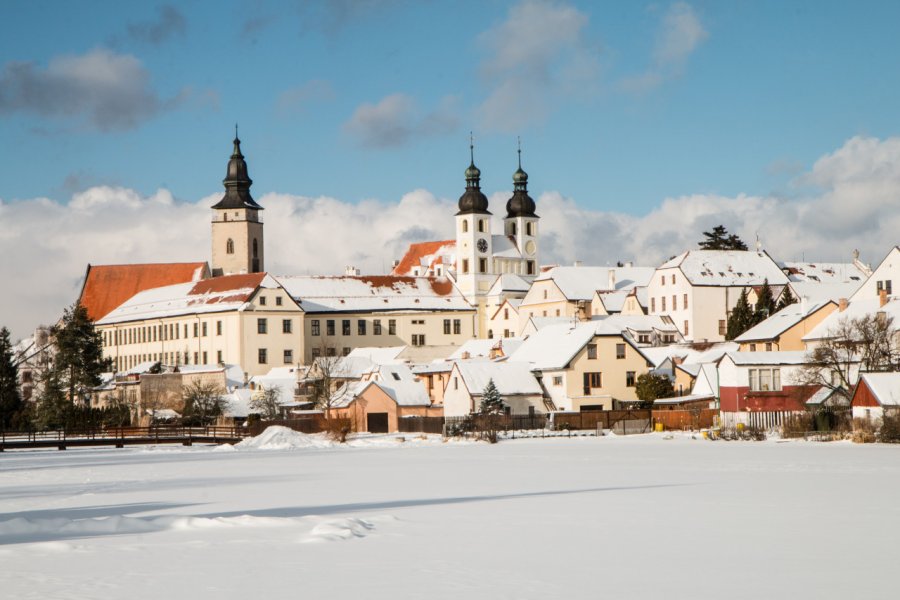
<point x="787" y="298"/>
<point x="741" y="319"/>
<point x="52" y="405"/>
<point x="719" y="239"/>
<point x="765" y="303"/>
<point x="10" y="398"/>
<point x="491" y="402"/>
<point x="79" y="358"/>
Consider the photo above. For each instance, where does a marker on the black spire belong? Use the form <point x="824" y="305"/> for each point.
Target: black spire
<point x="237" y="182"/>
<point x="473" y="200"/>
<point x="521" y="204"/>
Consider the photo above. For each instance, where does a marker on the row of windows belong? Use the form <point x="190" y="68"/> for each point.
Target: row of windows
<point x="594" y="380"/>
<point x="768" y="347"/>
<point x="157" y="333"/>
<point x="262" y="326"/>
<point x="529" y="228"/>
<point x="483" y="266"/>
<point x="123" y="363"/>
<point x="262" y="300"/>
<point x="287" y="356"/>
<point x="662" y="279"/>
<point x="764" y="380"/>
<point x="315" y="326"/>
<point x="592" y="351"/>
<point x="662" y="303"/>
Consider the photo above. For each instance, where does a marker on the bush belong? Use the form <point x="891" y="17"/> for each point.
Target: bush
<point x="890" y="428"/>
<point x="797" y="425"/>
<point x="338" y="429"/>
<point x="863" y="431"/>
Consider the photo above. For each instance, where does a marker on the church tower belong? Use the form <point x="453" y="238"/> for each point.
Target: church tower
<point x="521" y="223"/>
<point x="237" y="228"/>
<point x="473" y="236"/>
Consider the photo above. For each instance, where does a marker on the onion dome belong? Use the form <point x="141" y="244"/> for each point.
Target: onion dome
<point x="521" y="204"/>
<point x="237" y="182"/>
<point x="473" y="201"/>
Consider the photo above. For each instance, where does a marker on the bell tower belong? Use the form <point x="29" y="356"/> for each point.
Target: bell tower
<point x="237" y="228"/>
<point x="474" y="253"/>
<point x="521" y="223"/>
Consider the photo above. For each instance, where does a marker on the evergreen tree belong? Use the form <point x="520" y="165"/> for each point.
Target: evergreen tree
<point x="650" y="386"/>
<point x="765" y="303"/>
<point x="787" y="298"/>
<point x="491" y="402"/>
<point x="742" y="317"/>
<point x="52" y="405"/>
<point x="719" y="239"/>
<point x="79" y="357"/>
<point x="10" y="399"/>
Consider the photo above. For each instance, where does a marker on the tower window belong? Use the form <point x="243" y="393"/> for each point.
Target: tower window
<point x="481" y="223"/>
<point x="482" y="265"/>
<point x="229" y="246"/>
<point x="465" y="265"/>
<point x="255" y="249"/>
<point x="530" y="267"/>
<point x="512" y="229"/>
<point x="465" y="226"/>
<point x="529" y="228"/>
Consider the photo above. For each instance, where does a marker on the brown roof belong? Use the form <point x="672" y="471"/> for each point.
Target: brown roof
<point x="415" y="254"/>
<point x="107" y="286"/>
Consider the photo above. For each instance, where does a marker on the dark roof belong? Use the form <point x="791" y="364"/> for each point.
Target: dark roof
<point x="237" y="183"/>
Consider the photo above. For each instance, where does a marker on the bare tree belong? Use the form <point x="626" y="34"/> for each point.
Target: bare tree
<point x="325" y="371"/>
<point x="152" y="398"/>
<point x="203" y="402"/>
<point x="266" y="403"/>
<point x="867" y="344"/>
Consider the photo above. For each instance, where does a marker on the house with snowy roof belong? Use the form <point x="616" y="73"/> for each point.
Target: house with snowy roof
<point x="699" y="288"/>
<point x="785" y="329"/>
<point x="585" y="365"/>
<point x="876" y="394"/>
<point x="582" y="292"/>
<point x="384" y="396"/>
<point x="504" y="321"/>
<point x="881" y="283"/>
<point x="519" y="389"/>
<point x="762" y="389"/>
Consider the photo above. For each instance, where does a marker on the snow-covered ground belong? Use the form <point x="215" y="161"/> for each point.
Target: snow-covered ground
<point x="608" y="517"/>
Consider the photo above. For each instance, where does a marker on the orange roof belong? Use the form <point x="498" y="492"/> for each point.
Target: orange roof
<point x="415" y="254"/>
<point x="107" y="286"/>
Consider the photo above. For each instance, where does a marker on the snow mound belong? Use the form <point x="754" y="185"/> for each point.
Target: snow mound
<point x="278" y="437"/>
<point x="340" y="529"/>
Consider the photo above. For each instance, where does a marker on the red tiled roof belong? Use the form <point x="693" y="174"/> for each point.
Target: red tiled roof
<point x="227" y="283"/>
<point x="107" y="286"/>
<point x="415" y="254"/>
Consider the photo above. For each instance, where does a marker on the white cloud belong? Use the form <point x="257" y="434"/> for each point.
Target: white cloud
<point x="679" y="35"/>
<point x="397" y="120"/>
<point x="48" y="244"/>
<point x="296" y="99"/>
<point x="110" y="91"/>
<point x="534" y="59"/>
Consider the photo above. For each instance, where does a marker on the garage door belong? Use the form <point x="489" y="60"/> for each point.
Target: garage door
<point x="377" y="422"/>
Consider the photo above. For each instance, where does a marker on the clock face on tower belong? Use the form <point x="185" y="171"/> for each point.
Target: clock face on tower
<point x="529" y="247"/>
<point x="481" y="245"/>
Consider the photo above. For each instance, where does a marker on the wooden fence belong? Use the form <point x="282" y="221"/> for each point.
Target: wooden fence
<point x="689" y="420"/>
<point x="312" y="424"/>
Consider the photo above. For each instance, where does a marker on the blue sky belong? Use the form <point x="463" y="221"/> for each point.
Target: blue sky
<point x="619" y="105"/>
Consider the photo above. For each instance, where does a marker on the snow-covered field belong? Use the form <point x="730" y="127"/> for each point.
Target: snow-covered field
<point x="609" y="517"/>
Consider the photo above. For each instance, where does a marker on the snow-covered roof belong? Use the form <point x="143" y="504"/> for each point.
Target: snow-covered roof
<point x="580" y="283"/>
<point x="511" y="378"/>
<point x="689" y="353"/>
<point x="504" y="247"/>
<point x="283" y="379"/>
<point x="347" y="367"/>
<point x="381" y="356"/>
<point x="234" y="374"/>
<point x="553" y="346"/>
<point x="683" y="399"/>
<point x="317" y="294"/>
<point x="828" y="396"/>
<point x="482" y="347"/>
<point x="509" y="282"/>
<point x="438" y="366"/>
<point x="781" y="321"/>
<point x="856" y="309"/>
<point x="824" y="272"/>
<point x="231" y="292"/>
<point x="823" y="292"/>
<point x="727" y="268"/>
<point x="140" y="368"/>
<point x="237" y="403"/>
<point x="791" y="357"/>
<point x="425" y="256"/>
<point x="612" y="324"/>
<point x="397" y="381"/>
<point x="884" y="386"/>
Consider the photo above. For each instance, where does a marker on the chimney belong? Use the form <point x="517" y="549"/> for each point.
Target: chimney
<point x="612" y="279"/>
<point x="351" y="271"/>
<point x="466" y="355"/>
<point x="396" y="263"/>
<point x="629" y="263"/>
<point x="842" y="305"/>
<point x="882" y="297"/>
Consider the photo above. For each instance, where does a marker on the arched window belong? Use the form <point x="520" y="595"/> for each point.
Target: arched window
<point x="255" y="249"/>
<point x="465" y="226"/>
<point x="490" y="334"/>
<point x="229" y="246"/>
<point x="529" y="228"/>
<point x="512" y="229"/>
